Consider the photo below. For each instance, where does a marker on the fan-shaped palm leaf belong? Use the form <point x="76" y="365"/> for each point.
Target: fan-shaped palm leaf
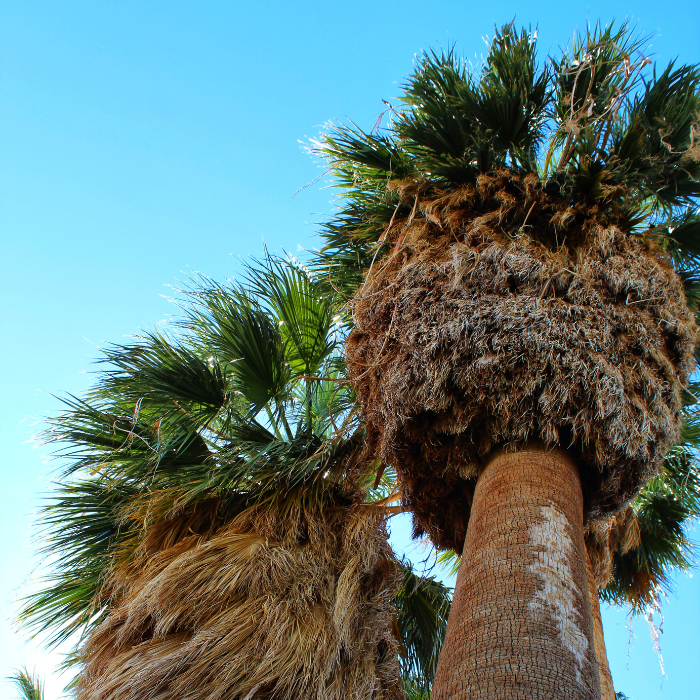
<point x="423" y="608"/>
<point x="596" y="124"/>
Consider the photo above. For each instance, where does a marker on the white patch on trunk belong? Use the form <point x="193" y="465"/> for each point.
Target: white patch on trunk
<point x="558" y="592"/>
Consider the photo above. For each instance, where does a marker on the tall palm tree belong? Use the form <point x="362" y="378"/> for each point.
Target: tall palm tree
<point x="219" y="529"/>
<point x="519" y="247"/>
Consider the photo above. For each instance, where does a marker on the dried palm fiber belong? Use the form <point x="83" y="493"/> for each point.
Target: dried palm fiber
<point x="268" y="605"/>
<point x="504" y="315"/>
<point x="617" y="532"/>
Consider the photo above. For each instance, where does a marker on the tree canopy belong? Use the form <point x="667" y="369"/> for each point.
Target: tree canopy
<point x="598" y="124"/>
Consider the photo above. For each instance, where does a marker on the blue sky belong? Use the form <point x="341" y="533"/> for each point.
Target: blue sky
<point x="142" y="141"/>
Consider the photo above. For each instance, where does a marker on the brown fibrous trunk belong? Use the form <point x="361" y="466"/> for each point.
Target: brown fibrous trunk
<point x="280" y="605"/>
<point x="520" y="625"/>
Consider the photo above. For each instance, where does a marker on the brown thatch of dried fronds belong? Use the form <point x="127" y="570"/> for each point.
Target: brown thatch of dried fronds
<point x="478" y="331"/>
<point x="267" y="606"/>
<point x="618" y="532"/>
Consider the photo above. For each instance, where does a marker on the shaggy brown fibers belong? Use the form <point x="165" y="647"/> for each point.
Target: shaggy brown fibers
<point x="268" y="605"/>
<point x="503" y="316"/>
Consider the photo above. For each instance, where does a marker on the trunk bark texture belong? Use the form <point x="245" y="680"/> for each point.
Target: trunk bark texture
<point x="606" y="685"/>
<point x="520" y="625"/>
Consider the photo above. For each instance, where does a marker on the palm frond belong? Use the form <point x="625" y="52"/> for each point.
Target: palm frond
<point x="451" y="560"/>
<point x="82" y="527"/>
<point x="28" y="685"/>
<point x="305" y="314"/>
<point x="423" y="605"/>
<point x="663" y="511"/>
<point x="243" y="403"/>
<point x="230" y="324"/>
<point x="414" y="690"/>
<point x="596" y="124"/>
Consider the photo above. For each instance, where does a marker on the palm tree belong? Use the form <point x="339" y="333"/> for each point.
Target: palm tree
<point x="630" y="557"/>
<point x="519" y="248"/>
<point x="219" y="529"/>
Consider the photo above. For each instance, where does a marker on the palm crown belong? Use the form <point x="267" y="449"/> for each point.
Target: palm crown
<point x="501" y="182"/>
<point x="519" y="244"/>
<point x="597" y="126"/>
<point x="237" y="424"/>
<point x="177" y="420"/>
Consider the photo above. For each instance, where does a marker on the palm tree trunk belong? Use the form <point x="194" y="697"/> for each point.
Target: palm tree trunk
<point x="606" y="685"/>
<point x="520" y="625"/>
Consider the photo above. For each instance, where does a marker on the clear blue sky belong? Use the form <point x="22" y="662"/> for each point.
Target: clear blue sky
<point x="140" y="140"/>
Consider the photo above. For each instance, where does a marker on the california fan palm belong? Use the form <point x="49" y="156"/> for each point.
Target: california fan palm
<point x="519" y="244"/>
<point x="215" y="533"/>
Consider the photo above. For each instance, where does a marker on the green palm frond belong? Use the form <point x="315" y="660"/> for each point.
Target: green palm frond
<point x="449" y="559"/>
<point x="28" y="685"/>
<point x="683" y="234"/>
<point x="596" y="124"/>
<point x="229" y="323"/>
<point x="82" y="523"/>
<point x="243" y="402"/>
<point x="655" y="149"/>
<point x="165" y="374"/>
<point x="423" y="605"/>
<point x="457" y="126"/>
<point x="415" y="691"/>
<point x="305" y="314"/>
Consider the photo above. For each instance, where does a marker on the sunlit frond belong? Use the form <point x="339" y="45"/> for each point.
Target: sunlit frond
<point x="596" y="123"/>
<point x="28" y="685"/>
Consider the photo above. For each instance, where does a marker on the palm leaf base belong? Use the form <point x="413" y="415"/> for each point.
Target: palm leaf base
<point x="619" y="532"/>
